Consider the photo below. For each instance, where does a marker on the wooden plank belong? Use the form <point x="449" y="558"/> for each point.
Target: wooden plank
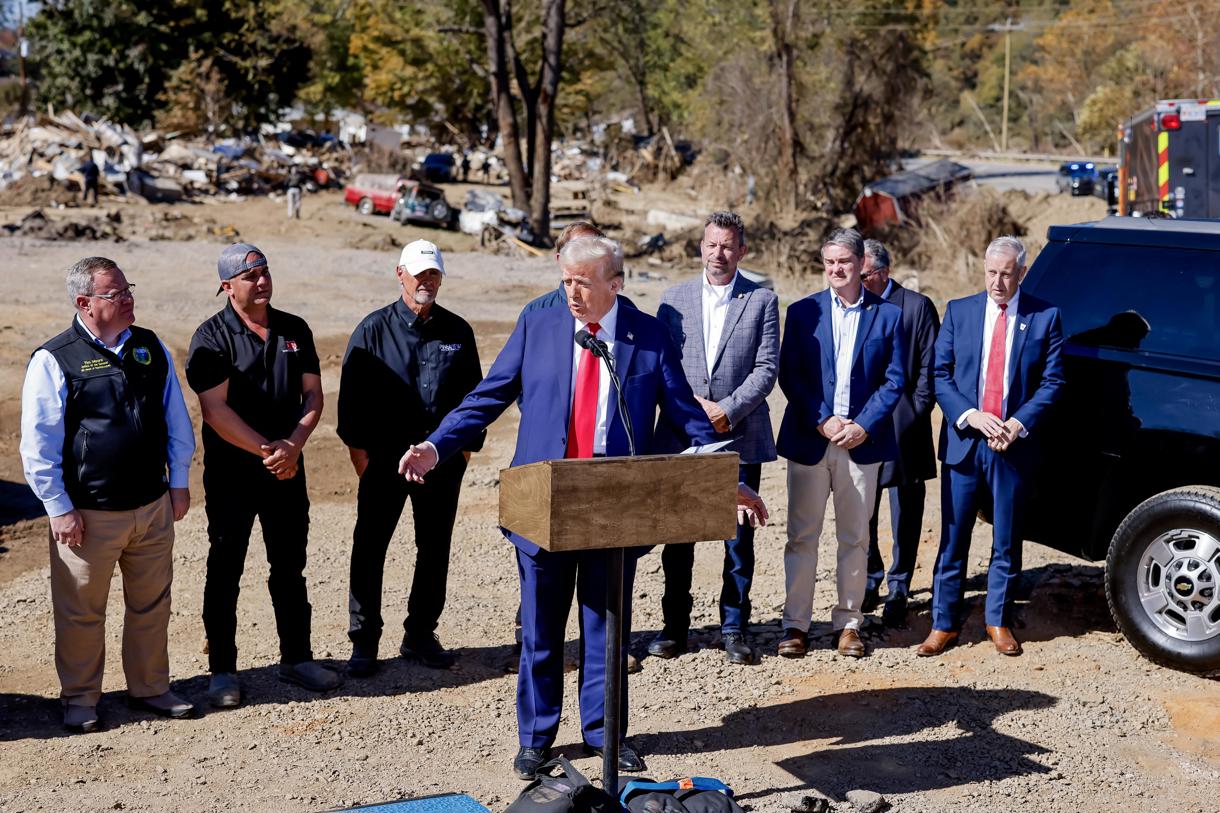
<point x="616" y="502"/>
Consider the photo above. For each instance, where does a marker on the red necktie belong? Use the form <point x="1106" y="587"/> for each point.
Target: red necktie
<point x="584" y="402"/>
<point x="993" y="388"/>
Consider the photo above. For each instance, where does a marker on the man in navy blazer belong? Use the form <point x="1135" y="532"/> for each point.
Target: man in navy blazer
<point x="541" y="365"/>
<point x="841" y="368"/>
<point x="997" y="371"/>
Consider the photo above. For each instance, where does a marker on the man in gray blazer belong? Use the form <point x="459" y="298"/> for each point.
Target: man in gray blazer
<point x="726" y="329"/>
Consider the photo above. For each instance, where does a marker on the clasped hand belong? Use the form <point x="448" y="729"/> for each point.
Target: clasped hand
<point x="843" y="432"/>
<point x="281" y="458"/>
<point x="999" y="434"/>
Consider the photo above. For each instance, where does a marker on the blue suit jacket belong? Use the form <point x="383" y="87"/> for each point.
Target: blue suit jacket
<point x="1035" y="373"/>
<point x="807" y="378"/>
<point x="536" y="365"/>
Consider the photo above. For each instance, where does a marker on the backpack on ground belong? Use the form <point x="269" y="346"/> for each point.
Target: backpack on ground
<point x="694" y="794"/>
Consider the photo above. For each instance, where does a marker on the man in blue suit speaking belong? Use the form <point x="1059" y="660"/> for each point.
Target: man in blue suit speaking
<point x="569" y="409"/>
<point x="997" y="370"/>
<point x="841" y="368"/>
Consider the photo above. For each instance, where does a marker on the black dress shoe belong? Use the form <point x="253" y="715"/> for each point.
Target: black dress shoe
<point x="628" y="760"/>
<point x="872" y="600"/>
<point x="894" y="613"/>
<point x="427" y="651"/>
<point x="529" y="760"/>
<point x="737" y="649"/>
<point x="667" y="644"/>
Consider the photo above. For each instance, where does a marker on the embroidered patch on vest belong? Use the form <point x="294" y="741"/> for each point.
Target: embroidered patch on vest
<point x="141" y="355"/>
<point x="89" y="365"/>
<point x="290" y="346"/>
<point x="451" y="348"/>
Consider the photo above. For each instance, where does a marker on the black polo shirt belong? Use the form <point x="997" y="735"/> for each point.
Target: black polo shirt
<point x="265" y="387"/>
<point x="402" y="375"/>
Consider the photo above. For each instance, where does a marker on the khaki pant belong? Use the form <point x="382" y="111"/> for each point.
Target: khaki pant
<point x="854" y="488"/>
<point x="142" y="543"/>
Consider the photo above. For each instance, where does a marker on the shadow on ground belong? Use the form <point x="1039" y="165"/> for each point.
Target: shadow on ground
<point x="24" y="716"/>
<point x="946" y="739"/>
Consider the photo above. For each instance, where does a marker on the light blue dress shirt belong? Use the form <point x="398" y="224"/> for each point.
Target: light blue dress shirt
<point x="43" y="430"/>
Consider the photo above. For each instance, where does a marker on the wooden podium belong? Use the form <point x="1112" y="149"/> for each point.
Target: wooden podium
<point x="619" y="502"/>
<point x="615" y="503"/>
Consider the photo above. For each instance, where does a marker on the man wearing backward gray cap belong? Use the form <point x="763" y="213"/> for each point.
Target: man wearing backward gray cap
<point x="256" y="372"/>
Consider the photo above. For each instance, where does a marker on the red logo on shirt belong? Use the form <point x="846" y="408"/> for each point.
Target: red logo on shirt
<point x="290" y="346"/>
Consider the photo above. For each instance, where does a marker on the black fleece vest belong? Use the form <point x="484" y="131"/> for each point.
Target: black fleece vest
<point x="115" y="430"/>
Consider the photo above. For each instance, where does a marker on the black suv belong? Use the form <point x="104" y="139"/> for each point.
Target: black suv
<point x="1132" y="469"/>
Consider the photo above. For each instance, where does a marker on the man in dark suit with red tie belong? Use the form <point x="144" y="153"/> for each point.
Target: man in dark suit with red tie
<point x="569" y="409"/>
<point x="997" y="371"/>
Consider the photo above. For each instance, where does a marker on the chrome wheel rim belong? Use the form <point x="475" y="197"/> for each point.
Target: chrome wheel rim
<point x="1179" y="584"/>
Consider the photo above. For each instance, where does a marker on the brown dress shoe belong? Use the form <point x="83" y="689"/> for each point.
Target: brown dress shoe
<point x="1004" y="641"/>
<point x="793" y="645"/>
<point x="936" y="642"/>
<point x="850" y="645"/>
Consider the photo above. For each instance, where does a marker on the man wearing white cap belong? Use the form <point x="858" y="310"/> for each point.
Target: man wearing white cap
<point x="407" y="365"/>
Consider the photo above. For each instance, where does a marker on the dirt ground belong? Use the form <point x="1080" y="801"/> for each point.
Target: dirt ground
<point x="1079" y="723"/>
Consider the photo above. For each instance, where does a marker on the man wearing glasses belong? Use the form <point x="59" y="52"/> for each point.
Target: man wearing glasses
<point x="257" y="375"/>
<point x="102" y="422"/>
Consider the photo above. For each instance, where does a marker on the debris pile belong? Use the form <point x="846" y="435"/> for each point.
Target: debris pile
<point x="44" y="162"/>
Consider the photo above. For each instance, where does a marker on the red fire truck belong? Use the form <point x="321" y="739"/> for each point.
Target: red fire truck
<point x="1169" y="160"/>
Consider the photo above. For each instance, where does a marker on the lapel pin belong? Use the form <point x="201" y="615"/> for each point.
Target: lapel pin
<point x="631" y="336"/>
<point x="1023" y="326"/>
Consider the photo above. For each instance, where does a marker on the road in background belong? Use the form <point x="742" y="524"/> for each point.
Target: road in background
<point x="1029" y="176"/>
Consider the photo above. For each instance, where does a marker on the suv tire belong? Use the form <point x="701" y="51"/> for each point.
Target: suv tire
<point x="365" y="206"/>
<point x="439" y="211"/>
<point x="1163" y="578"/>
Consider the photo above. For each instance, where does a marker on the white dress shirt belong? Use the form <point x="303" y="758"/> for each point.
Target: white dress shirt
<point x="990" y="315"/>
<point x="844" y="322"/>
<point x="606" y="326"/>
<point x="43" y="430"/>
<point x="715" y="309"/>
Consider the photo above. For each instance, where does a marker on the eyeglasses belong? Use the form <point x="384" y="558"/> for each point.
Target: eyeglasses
<point x="122" y="293"/>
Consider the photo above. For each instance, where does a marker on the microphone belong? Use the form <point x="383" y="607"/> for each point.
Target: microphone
<point x="597" y="347"/>
<point x="591" y="343"/>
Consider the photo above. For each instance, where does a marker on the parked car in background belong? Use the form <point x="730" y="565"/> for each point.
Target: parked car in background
<point x="437" y="167"/>
<point x="424" y="203"/>
<point x="1132" y="468"/>
<point x="374" y="194"/>
<point x="1077" y="177"/>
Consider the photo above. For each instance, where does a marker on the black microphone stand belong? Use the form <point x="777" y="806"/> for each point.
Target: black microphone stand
<point x="614" y="597"/>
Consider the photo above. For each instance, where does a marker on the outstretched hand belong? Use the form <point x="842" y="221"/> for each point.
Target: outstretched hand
<point x="418" y="461"/>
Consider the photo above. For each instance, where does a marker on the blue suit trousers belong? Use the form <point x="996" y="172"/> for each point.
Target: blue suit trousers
<point x="547" y="583"/>
<point x="981" y="475"/>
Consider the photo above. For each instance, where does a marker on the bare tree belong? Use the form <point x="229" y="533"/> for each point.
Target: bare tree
<point x="530" y="183"/>
<point x="783" y="28"/>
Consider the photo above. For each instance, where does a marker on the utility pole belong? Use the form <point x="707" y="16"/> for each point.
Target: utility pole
<point x="1008" y="27"/>
<point x="22" y="52"/>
